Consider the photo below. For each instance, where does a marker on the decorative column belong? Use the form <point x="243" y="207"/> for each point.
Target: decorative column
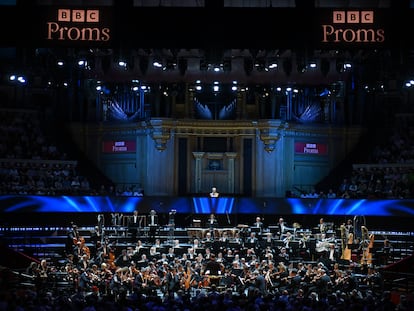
<point x="198" y="156"/>
<point x="270" y="133"/>
<point x="231" y="156"/>
<point x="160" y="134"/>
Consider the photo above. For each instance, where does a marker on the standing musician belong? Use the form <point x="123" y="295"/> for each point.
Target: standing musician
<point x="212" y="223"/>
<point x="153" y="225"/>
<point x="116" y="221"/>
<point x="282" y="228"/>
<point x="134" y="225"/>
<point x="322" y="226"/>
<point x="332" y="255"/>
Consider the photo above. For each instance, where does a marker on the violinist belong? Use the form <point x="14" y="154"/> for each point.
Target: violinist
<point x="124" y="259"/>
<point x="85" y="280"/>
<point x="96" y="275"/>
<point x="83" y="263"/>
<point x="117" y="283"/>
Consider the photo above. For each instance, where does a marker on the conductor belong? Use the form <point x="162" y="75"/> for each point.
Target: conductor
<point x="213" y="269"/>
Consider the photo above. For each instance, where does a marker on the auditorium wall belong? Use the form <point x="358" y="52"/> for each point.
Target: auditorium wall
<point x="276" y="166"/>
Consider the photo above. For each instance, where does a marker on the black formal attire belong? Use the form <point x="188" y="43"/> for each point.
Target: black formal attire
<point x="133" y="227"/>
<point x="259" y="225"/>
<point x="260" y="284"/>
<point x="153" y="225"/>
<point x="172" y="282"/>
<point x="213" y="268"/>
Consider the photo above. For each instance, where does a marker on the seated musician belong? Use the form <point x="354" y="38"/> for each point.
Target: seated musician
<point x="283" y="256"/>
<point x="267" y="241"/>
<point x="208" y="240"/>
<point x="258" y="224"/>
<point x="252" y="240"/>
<point x="224" y="237"/>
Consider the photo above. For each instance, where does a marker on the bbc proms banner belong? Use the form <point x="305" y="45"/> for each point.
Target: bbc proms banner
<point x="119" y="146"/>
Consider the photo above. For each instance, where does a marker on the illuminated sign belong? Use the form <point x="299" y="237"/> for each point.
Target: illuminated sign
<point x="352" y="27"/>
<point x="119" y="146"/>
<point x="311" y="148"/>
<point x="77" y="25"/>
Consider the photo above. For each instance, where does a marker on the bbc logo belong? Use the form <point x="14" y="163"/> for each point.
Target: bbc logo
<point x="78" y="16"/>
<point x="353" y="17"/>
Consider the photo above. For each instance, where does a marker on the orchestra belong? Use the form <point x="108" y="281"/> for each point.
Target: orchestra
<point x="214" y="256"/>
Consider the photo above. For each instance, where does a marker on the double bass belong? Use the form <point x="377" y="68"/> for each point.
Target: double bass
<point x="367" y="256"/>
<point x="346" y="241"/>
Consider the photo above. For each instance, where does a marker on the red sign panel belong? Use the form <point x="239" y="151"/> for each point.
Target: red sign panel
<point x="311" y="148"/>
<point x="119" y="146"/>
